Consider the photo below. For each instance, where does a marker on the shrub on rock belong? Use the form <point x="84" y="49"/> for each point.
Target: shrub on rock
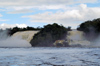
<point x="49" y="34"/>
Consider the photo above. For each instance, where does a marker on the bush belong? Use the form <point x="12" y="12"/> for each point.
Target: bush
<point x="90" y="28"/>
<point x="16" y="29"/>
<point x="49" y="34"/>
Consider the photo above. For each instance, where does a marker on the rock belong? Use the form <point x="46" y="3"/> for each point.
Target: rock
<point x="61" y="43"/>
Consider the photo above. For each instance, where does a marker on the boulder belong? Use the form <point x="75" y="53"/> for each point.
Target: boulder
<point x="61" y="43"/>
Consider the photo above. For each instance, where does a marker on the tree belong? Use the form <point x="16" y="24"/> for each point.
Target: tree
<point x="49" y="34"/>
<point x="16" y="29"/>
<point x="90" y="28"/>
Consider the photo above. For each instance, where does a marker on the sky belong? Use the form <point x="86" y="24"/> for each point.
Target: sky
<point x="37" y="13"/>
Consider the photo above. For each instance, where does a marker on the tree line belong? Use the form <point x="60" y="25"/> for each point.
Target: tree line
<point x="11" y="31"/>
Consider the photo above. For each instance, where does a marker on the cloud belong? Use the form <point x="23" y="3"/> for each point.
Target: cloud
<point x="1" y="15"/>
<point x="44" y="7"/>
<point x="4" y="25"/>
<point x="71" y="17"/>
<point x="66" y="13"/>
<point x="21" y="25"/>
<point x="29" y="9"/>
<point x="42" y="2"/>
<point x="17" y="9"/>
<point x="2" y="19"/>
<point x="26" y="6"/>
<point x="20" y="11"/>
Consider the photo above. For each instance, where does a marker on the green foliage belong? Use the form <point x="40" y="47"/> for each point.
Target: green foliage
<point x="88" y="25"/>
<point x="16" y="29"/>
<point x="69" y="28"/>
<point x="90" y="28"/>
<point x="49" y="34"/>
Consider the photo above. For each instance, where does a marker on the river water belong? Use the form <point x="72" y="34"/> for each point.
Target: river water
<point x="49" y="56"/>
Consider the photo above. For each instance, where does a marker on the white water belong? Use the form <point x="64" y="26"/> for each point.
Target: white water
<point x="77" y="37"/>
<point x="7" y="41"/>
<point x="14" y="42"/>
<point x="25" y="35"/>
<point x="47" y="56"/>
<point x="22" y="39"/>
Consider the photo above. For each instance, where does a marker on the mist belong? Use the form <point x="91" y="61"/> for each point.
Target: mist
<point x="10" y="41"/>
<point x="74" y="38"/>
<point x="78" y="38"/>
<point x="93" y="37"/>
<point x="96" y="42"/>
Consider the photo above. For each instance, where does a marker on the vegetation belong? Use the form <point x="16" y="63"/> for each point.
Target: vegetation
<point x="46" y="35"/>
<point x="16" y="29"/>
<point x="49" y="34"/>
<point x="91" y="28"/>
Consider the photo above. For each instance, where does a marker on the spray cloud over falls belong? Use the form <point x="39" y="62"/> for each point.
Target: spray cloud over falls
<point x="7" y="41"/>
<point x="77" y="38"/>
<point x="95" y="36"/>
<point x="22" y="39"/>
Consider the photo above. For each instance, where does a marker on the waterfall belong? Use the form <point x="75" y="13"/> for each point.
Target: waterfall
<point x="76" y="37"/>
<point x="12" y="41"/>
<point x="25" y="35"/>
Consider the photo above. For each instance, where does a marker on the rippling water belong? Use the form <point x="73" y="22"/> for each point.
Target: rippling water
<point x="49" y="56"/>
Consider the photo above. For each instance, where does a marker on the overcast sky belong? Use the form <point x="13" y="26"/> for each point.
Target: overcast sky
<point x="36" y="13"/>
